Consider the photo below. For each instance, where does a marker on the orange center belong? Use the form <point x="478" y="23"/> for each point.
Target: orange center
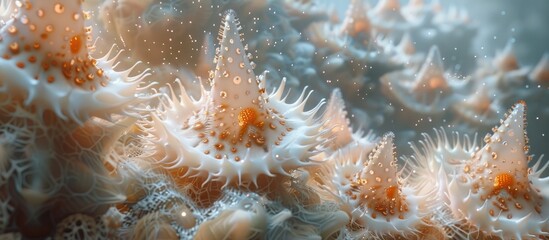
<point x="504" y="181"/>
<point x="391" y="192"/>
<point x="361" y="26"/>
<point x="246" y="117"/>
<point x="437" y="83"/>
<point x="75" y="44"/>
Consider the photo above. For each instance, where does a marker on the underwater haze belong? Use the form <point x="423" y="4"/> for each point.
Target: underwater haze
<point x="274" y="119"/>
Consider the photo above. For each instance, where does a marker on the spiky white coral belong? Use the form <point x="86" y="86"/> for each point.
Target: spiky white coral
<point x="427" y="92"/>
<point x="385" y="205"/>
<point x="370" y="188"/>
<point x="335" y="119"/>
<point x="45" y="64"/>
<point x="496" y="191"/>
<point x="429" y="169"/>
<point x="235" y="131"/>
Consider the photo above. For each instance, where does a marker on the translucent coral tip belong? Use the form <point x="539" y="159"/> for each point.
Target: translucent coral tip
<point x="506" y="60"/>
<point x="384" y="157"/>
<point x="540" y="73"/>
<point x="233" y="77"/>
<point x="431" y="74"/>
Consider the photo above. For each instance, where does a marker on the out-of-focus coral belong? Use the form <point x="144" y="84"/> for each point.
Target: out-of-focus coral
<point x="172" y="135"/>
<point x="53" y="139"/>
<point x="540" y="74"/>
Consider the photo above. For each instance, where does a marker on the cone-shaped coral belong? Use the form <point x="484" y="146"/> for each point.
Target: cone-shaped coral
<point x="425" y="93"/>
<point x="506" y="60"/>
<point x="430" y="77"/>
<point x="540" y="74"/>
<point x="356" y="19"/>
<point x="496" y="190"/>
<point x="45" y="63"/>
<point x="368" y="185"/>
<point x="479" y="109"/>
<point x="388" y="10"/>
<point x="236" y="131"/>
<point x="406" y="45"/>
<point x="336" y="119"/>
<point x="385" y="205"/>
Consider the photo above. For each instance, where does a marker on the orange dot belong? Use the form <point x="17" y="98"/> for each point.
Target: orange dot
<point x="14" y="47"/>
<point x="503" y="181"/>
<point x="75" y="44"/>
<point x="391" y="191"/>
<point x="246" y="117"/>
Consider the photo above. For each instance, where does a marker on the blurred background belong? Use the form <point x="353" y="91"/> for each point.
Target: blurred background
<point x="526" y="22"/>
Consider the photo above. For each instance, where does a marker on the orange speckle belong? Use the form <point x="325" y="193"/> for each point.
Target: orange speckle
<point x="45" y="66"/>
<point x="361" y="26"/>
<point x="51" y="79"/>
<point x="32" y="59"/>
<point x="20" y="65"/>
<point x="14" y="47"/>
<point x="437" y="83"/>
<point x="75" y="44"/>
<point x="12" y="29"/>
<point x="391" y="192"/>
<point x="504" y="181"/>
<point x="78" y="80"/>
<point x="219" y="146"/>
<point x="246" y="116"/>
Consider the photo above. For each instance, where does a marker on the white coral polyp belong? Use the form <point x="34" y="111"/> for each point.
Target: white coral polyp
<point x="496" y="191"/>
<point x="342" y="134"/>
<point x="45" y="64"/>
<point x="381" y="204"/>
<point x="428" y="92"/>
<point x="235" y="131"/>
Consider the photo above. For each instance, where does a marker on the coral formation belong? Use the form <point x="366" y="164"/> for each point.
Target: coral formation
<point x="171" y="134"/>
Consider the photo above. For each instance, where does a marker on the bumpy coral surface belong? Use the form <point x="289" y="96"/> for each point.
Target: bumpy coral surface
<point x="127" y="119"/>
<point x="236" y="131"/>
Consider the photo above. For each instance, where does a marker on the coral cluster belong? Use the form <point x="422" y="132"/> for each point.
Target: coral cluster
<point x="135" y="145"/>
